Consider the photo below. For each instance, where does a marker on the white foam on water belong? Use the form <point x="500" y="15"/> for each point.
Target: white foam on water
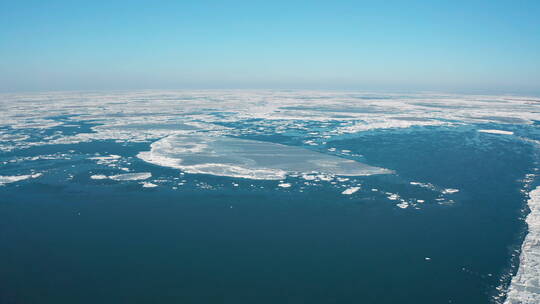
<point x="241" y="158"/>
<point x="492" y="131"/>
<point x="525" y="285"/>
<point x="350" y="190"/>
<point x="16" y="178"/>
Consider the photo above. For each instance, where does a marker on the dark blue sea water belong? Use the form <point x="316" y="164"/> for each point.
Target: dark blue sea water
<point x="68" y="238"/>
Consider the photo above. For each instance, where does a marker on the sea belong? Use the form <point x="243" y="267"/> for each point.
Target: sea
<point x="269" y="196"/>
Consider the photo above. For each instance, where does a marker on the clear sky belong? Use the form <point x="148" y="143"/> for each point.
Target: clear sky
<point x="395" y="45"/>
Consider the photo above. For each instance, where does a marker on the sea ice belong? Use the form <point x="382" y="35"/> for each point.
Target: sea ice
<point x="131" y="176"/>
<point x="15" y="178"/>
<point x="148" y="185"/>
<point x="525" y="285"/>
<point x="350" y="190"/>
<point x="450" y="191"/>
<point x="497" y="132"/>
<point x="403" y="205"/>
<point x="234" y="157"/>
<point x="124" y="177"/>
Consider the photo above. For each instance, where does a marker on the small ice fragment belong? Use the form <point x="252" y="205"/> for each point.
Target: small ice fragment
<point x="148" y="185"/>
<point x="98" y="176"/>
<point x="427" y="259"/>
<point x="403" y="205"/>
<point x="131" y="176"/>
<point x="393" y="197"/>
<point x="450" y="191"/>
<point x="110" y="157"/>
<point x="284" y="185"/>
<point x="350" y="190"/>
<point x="492" y="131"/>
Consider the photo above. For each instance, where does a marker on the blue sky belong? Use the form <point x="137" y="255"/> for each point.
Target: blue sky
<point x="483" y="46"/>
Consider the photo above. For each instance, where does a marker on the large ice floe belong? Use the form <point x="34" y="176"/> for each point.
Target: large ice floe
<point x="525" y="285"/>
<point x="234" y="157"/>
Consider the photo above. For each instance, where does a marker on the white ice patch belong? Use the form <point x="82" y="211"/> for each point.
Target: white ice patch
<point x="108" y="157"/>
<point x="131" y="176"/>
<point x="284" y="185"/>
<point x="350" y="190"/>
<point x="423" y="185"/>
<point x="227" y="156"/>
<point x="148" y="185"/>
<point x="491" y="131"/>
<point x="403" y="205"/>
<point x="450" y="191"/>
<point x="124" y="177"/>
<point x="525" y="285"/>
<point x="106" y="160"/>
<point x="393" y="196"/>
<point x="16" y="178"/>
